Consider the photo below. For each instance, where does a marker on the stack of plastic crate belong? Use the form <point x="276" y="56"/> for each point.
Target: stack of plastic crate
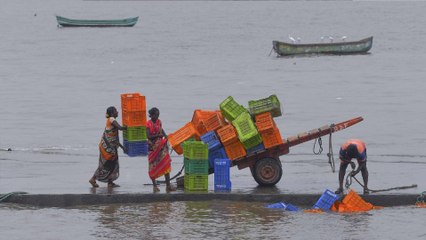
<point x="133" y="106"/>
<point x="222" y="180"/>
<point x="231" y="109"/>
<point x="181" y="135"/>
<point x="196" y="166"/>
<point x="268" y="130"/>
<point x="232" y="145"/>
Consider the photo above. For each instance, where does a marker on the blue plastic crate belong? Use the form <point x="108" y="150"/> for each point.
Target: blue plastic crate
<point x="257" y="148"/>
<point x="326" y="200"/>
<point x="138" y="148"/>
<point x="217" y="153"/>
<point x="282" y="205"/>
<point x="222" y="174"/>
<point x="212" y="140"/>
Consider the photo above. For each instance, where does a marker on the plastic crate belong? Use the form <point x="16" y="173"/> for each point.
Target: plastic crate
<point x="282" y="205"/>
<point x="271" y="138"/>
<point x="214" y="122"/>
<point x="136" y="148"/>
<point x="193" y="166"/>
<point x="227" y="134"/>
<point x="211" y="140"/>
<point x="264" y="122"/>
<point x="326" y="200"/>
<point x="134" y="118"/>
<point x="256" y="149"/>
<point x="196" y="182"/>
<point x="133" y="134"/>
<point x="222" y="174"/>
<point x="133" y="102"/>
<point x="356" y="203"/>
<point x="269" y="104"/>
<point x="244" y="125"/>
<point x="251" y="141"/>
<point x="231" y="109"/>
<point x="214" y="154"/>
<point x="198" y="119"/>
<point x="235" y="150"/>
<point x="181" y="135"/>
<point x="195" y="150"/>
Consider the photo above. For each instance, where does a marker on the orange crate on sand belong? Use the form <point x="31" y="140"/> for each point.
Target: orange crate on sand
<point x="133" y="102"/>
<point x="264" y="122"/>
<point x="353" y="203"/>
<point x="227" y="134"/>
<point x="271" y="138"/>
<point x="214" y="121"/>
<point x="134" y="118"/>
<point x="235" y="150"/>
<point x="199" y="118"/>
<point x="181" y="135"/>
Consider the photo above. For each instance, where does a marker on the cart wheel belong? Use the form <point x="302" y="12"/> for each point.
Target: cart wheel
<point x="267" y="171"/>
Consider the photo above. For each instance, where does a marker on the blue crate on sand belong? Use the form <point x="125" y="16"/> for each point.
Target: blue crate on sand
<point x="212" y="140"/>
<point x="283" y="205"/>
<point x="326" y="200"/>
<point x="138" y="148"/>
<point x="222" y="174"/>
<point x="214" y="154"/>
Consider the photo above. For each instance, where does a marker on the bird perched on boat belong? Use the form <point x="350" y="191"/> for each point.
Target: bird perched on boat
<point x="291" y="39"/>
<point x="322" y="39"/>
<point x="331" y="38"/>
<point x="344" y="38"/>
<point x="298" y="39"/>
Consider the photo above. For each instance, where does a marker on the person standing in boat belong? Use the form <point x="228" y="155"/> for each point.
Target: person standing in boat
<point x="158" y="151"/>
<point x="353" y="148"/>
<point x="108" y="168"/>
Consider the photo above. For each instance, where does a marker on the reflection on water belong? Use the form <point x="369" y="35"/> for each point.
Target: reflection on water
<point x="208" y="220"/>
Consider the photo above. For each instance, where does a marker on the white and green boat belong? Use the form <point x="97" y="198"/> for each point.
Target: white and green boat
<point x="67" y="22"/>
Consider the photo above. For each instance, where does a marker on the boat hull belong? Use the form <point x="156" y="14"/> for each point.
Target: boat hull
<point x="338" y="48"/>
<point x="67" y="22"/>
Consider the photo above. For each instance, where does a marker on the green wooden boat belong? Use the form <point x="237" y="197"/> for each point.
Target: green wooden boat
<point x="336" y="48"/>
<point x="67" y="22"/>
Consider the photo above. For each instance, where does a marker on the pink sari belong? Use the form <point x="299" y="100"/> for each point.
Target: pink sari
<point x="158" y="152"/>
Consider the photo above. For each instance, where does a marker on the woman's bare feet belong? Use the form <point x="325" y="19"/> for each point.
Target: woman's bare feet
<point x="93" y="182"/>
<point x="155" y="189"/>
<point x="170" y="188"/>
<point x="112" y="185"/>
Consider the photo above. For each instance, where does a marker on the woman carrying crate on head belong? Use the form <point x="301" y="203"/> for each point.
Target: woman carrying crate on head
<point x="158" y="151"/>
<point x="108" y="168"/>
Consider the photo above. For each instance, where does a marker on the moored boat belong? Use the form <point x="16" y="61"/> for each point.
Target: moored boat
<point x="336" y="48"/>
<point x="67" y="22"/>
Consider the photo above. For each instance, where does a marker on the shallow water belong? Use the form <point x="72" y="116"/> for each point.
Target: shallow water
<point x="57" y="82"/>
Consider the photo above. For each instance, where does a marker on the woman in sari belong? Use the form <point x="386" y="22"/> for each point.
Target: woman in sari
<point x="158" y="151"/>
<point x="108" y="168"/>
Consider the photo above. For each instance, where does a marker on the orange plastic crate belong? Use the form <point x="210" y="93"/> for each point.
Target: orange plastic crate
<point x="214" y="121"/>
<point x="199" y="118"/>
<point x="133" y="102"/>
<point x="264" y="122"/>
<point x="181" y="135"/>
<point x="227" y="134"/>
<point x="235" y="150"/>
<point x="134" y="118"/>
<point x="271" y="138"/>
<point x="355" y="203"/>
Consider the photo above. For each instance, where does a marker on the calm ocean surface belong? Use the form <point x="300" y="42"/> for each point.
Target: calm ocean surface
<point x="183" y="55"/>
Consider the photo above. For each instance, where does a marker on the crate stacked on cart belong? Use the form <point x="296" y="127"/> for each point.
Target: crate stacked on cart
<point x="234" y="149"/>
<point x="222" y="180"/>
<point x="196" y="165"/>
<point x="188" y="131"/>
<point x="133" y="106"/>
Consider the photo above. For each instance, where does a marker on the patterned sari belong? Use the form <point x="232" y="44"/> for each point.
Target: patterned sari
<point x="158" y="152"/>
<point x="108" y="168"/>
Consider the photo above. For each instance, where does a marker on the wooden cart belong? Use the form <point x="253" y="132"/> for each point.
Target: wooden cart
<point x="266" y="166"/>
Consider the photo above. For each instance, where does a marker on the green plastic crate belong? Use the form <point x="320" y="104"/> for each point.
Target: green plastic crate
<point x="195" y="150"/>
<point x="231" y="109"/>
<point x="133" y="134"/>
<point x="247" y="131"/>
<point x="196" y="182"/>
<point x="251" y="141"/>
<point x="196" y="166"/>
<point x="269" y="104"/>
